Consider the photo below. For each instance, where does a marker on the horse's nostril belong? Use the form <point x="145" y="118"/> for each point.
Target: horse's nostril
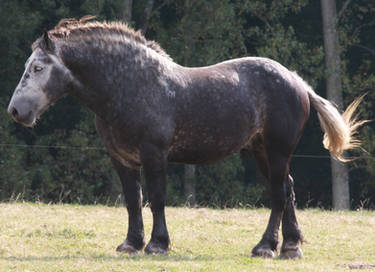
<point x="14" y="112"/>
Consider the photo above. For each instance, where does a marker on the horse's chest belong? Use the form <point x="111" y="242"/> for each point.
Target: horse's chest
<point x="124" y="151"/>
<point x="129" y="158"/>
<point x="119" y="146"/>
<point x="118" y="149"/>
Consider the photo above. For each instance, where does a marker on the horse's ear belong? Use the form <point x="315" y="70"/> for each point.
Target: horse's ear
<point x="47" y="42"/>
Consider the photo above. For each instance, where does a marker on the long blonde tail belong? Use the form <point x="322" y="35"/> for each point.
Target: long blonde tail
<point x="339" y="130"/>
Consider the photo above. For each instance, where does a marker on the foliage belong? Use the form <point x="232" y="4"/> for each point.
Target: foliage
<point x="63" y="166"/>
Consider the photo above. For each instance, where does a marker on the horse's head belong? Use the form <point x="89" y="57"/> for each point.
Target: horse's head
<point x="44" y="81"/>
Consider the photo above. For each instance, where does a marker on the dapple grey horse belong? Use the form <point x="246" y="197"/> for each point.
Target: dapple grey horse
<point x="150" y="110"/>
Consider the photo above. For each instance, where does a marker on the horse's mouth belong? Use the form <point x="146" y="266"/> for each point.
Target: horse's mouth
<point x="32" y="118"/>
<point x="30" y="121"/>
<point x="31" y="125"/>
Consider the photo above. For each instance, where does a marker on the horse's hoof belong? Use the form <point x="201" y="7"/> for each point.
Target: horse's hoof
<point x="127" y="248"/>
<point x="263" y="252"/>
<point x="291" y="253"/>
<point x="156" y="249"/>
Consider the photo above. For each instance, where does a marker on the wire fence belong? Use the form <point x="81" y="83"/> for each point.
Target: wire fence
<point x="53" y="146"/>
<point x="83" y="148"/>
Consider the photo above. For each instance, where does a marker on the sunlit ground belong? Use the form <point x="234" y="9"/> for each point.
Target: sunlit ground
<point x="38" y="237"/>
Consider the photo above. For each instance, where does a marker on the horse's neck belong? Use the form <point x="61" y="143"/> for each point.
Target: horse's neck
<point x="109" y="82"/>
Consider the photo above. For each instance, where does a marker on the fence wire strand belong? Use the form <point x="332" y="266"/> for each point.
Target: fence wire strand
<point x="54" y="146"/>
<point x="370" y="156"/>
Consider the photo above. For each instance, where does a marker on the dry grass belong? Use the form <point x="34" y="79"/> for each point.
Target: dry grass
<point x="38" y="237"/>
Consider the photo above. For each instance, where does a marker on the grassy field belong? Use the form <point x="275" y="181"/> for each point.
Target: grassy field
<point x="38" y="237"/>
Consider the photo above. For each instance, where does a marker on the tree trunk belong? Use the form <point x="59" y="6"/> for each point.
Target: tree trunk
<point x="127" y="11"/>
<point x="340" y="177"/>
<point x="189" y="185"/>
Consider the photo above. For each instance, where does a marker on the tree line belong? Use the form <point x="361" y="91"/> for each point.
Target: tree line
<point x="63" y="160"/>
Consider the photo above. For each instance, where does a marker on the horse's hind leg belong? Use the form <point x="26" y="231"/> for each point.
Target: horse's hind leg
<point x="130" y="180"/>
<point x="292" y="236"/>
<point x="274" y="165"/>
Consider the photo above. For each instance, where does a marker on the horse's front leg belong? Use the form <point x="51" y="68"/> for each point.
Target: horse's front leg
<point x="154" y="162"/>
<point x="130" y="180"/>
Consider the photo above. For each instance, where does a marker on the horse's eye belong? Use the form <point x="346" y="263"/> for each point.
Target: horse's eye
<point x="38" y="69"/>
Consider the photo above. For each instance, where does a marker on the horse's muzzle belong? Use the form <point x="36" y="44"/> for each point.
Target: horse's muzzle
<point x="22" y="112"/>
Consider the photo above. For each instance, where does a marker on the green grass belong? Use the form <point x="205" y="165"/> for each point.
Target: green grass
<point x="39" y="237"/>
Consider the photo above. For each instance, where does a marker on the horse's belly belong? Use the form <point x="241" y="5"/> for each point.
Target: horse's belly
<point x="204" y="148"/>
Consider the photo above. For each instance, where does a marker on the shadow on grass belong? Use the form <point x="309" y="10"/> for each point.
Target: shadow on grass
<point x="119" y="257"/>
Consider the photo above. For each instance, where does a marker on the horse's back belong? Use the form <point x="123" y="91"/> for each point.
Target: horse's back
<point x="227" y="104"/>
<point x="216" y="114"/>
